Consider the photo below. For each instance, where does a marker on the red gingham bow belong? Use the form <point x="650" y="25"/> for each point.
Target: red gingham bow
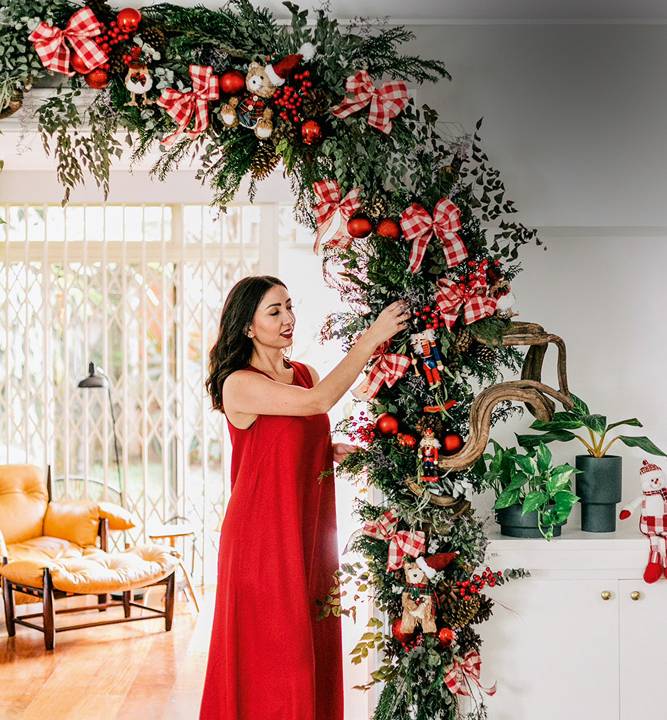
<point x="419" y="226"/>
<point x="476" y="304"/>
<point x="331" y="199"/>
<point x="387" y="369"/>
<point x="403" y="542"/>
<point x="386" y="101"/>
<point x="50" y="45"/>
<point x="182" y="106"/>
<point x="469" y="666"/>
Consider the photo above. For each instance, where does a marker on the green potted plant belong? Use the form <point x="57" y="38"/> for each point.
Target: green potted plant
<point x="533" y="498"/>
<point x="600" y="481"/>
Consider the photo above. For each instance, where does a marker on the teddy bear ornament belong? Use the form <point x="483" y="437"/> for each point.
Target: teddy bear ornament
<point x="262" y="81"/>
<point x="653" y="518"/>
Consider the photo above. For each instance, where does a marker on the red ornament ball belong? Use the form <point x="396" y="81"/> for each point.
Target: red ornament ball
<point x="389" y="229"/>
<point x="399" y="634"/>
<point x="407" y="440"/>
<point x="97" y="79"/>
<point x="311" y="132"/>
<point x="78" y="65"/>
<point x="452" y="442"/>
<point x="387" y="424"/>
<point x="446" y="637"/>
<point x="128" y="20"/>
<point x="359" y="227"/>
<point x="231" y="82"/>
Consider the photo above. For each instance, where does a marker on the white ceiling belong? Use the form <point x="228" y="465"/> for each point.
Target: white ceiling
<point x="453" y="11"/>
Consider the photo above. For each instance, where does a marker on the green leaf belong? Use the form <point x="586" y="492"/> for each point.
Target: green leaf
<point x="506" y="499"/>
<point x="529" y="441"/>
<point x="527" y="464"/>
<point x="641" y="442"/>
<point x="534" y="501"/>
<point x="580" y="408"/>
<point x="596" y="423"/>
<point x="519" y="479"/>
<point x="570" y="423"/>
<point x="630" y="421"/>
<point x="543" y="457"/>
<point x="559" y="478"/>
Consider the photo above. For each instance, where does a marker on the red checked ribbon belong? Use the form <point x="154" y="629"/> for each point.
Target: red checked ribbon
<point x="183" y="106"/>
<point x="469" y="666"/>
<point x="472" y="296"/>
<point x="418" y="226"/>
<point x="401" y="543"/>
<point x="387" y="369"/>
<point x="81" y="28"/>
<point x="386" y="102"/>
<point x="331" y="200"/>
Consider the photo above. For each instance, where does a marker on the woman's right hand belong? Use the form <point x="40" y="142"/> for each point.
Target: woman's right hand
<point x="390" y="321"/>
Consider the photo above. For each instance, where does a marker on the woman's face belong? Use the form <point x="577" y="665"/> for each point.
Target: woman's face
<point x="273" y="322"/>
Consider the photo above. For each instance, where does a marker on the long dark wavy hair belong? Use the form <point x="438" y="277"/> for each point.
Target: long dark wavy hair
<point x="233" y="348"/>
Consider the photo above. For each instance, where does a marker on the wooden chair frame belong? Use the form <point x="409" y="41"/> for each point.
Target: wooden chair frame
<point x="48" y="594"/>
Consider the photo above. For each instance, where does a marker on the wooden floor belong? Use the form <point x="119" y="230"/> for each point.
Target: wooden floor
<point x="135" y="671"/>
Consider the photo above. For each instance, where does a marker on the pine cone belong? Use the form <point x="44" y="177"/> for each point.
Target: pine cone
<point x="377" y="209"/>
<point x="459" y="613"/>
<point x="484" y="353"/>
<point x="155" y="37"/>
<point x="283" y="130"/>
<point x="430" y="421"/>
<point x="264" y="161"/>
<point x="484" y="612"/>
<point x="315" y="104"/>
<point x="463" y="340"/>
<point x="117" y="65"/>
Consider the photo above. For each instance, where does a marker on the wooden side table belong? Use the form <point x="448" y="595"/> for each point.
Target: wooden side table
<point x="171" y="533"/>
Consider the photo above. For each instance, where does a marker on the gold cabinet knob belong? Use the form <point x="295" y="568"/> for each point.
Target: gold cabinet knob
<point x="635" y="595"/>
<point x="605" y="595"/>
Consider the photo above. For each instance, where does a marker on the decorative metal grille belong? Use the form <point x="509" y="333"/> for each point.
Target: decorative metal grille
<point x="138" y="291"/>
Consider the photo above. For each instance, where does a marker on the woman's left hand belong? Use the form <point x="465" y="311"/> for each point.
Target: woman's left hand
<point x="342" y="450"/>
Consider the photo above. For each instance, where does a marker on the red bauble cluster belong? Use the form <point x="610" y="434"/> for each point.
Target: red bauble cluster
<point x="97" y="79"/>
<point x="407" y="640"/>
<point x="468" y="588"/>
<point x="311" y="132"/>
<point x="446" y="637"/>
<point x="431" y="317"/>
<point x="128" y="20"/>
<point x="359" y="226"/>
<point x="452" y="442"/>
<point x="387" y="424"/>
<point x="289" y="98"/>
<point x="231" y="82"/>
<point x="362" y="430"/>
<point x="389" y="228"/>
<point x="406" y="440"/>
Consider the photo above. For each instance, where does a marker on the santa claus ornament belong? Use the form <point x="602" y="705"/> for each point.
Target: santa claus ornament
<point x="653" y="518"/>
<point x="138" y="81"/>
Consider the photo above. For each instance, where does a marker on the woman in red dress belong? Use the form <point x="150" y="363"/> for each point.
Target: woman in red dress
<point x="271" y="658"/>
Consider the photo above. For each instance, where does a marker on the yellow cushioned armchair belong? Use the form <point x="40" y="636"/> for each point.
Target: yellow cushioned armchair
<point x="52" y="550"/>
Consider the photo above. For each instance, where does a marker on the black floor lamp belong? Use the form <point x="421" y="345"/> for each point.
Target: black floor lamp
<point x="98" y="379"/>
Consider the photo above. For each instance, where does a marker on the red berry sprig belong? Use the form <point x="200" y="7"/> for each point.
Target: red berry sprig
<point x="362" y="430"/>
<point x="133" y="55"/>
<point x="469" y="588"/>
<point x="110" y="36"/>
<point x="289" y="98"/>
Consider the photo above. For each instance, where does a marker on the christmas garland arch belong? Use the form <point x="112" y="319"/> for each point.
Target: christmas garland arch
<point x="399" y="211"/>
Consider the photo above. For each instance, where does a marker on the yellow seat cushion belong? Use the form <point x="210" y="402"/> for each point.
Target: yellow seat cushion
<point x="45" y="548"/>
<point x="94" y="571"/>
<point x="23" y="501"/>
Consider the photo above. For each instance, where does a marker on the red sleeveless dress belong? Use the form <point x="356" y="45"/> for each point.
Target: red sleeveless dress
<point x="270" y="657"/>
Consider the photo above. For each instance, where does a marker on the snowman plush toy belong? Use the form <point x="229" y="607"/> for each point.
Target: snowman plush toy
<point x="653" y="518"/>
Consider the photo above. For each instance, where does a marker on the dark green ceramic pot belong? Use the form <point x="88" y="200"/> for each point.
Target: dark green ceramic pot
<point x="599" y="487"/>
<point x="514" y="524"/>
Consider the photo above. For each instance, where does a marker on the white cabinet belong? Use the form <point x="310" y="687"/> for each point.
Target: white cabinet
<point x="570" y="641"/>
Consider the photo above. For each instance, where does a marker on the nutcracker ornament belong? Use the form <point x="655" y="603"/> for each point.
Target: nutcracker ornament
<point x="428" y="454"/>
<point x="138" y="81"/>
<point x="653" y="518"/>
<point x="423" y="344"/>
